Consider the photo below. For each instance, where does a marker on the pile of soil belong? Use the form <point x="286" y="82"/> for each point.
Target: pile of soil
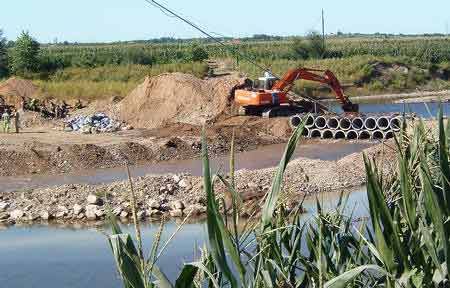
<point x="13" y="89"/>
<point x="177" y="98"/>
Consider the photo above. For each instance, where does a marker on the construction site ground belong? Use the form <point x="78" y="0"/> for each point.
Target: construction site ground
<point x="168" y="113"/>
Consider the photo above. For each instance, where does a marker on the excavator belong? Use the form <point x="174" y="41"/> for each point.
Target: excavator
<point x="268" y="95"/>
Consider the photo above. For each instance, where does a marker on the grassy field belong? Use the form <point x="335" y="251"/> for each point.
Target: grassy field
<point x="365" y="65"/>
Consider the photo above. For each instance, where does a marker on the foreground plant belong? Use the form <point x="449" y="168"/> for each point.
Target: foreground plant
<point x="405" y="245"/>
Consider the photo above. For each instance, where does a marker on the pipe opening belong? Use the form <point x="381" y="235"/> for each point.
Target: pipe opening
<point x="345" y="124"/>
<point x="295" y="121"/>
<point x="327" y="134"/>
<point x="309" y="121"/>
<point x="370" y="123"/>
<point x="305" y="132"/>
<point x="320" y="122"/>
<point x="314" y="133"/>
<point x="364" y="135"/>
<point x="396" y="124"/>
<point x="357" y="123"/>
<point x="339" y="134"/>
<point x="383" y="123"/>
<point x="388" y="135"/>
<point x="333" y="123"/>
<point x="351" y="135"/>
<point x="377" y="135"/>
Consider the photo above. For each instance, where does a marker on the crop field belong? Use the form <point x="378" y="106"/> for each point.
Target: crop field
<point x="365" y="65"/>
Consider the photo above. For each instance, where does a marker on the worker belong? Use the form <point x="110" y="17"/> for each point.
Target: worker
<point x="6" y="118"/>
<point x="17" y="121"/>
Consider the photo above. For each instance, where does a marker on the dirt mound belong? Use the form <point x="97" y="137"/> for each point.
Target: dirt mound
<point x="13" y="89"/>
<point x="176" y="98"/>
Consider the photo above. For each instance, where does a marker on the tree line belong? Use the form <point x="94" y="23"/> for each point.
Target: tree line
<point x="27" y="58"/>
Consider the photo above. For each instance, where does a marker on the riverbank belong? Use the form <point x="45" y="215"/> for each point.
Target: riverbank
<point x="179" y="195"/>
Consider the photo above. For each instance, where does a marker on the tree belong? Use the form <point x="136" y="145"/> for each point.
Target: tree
<point x="24" y="57"/>
<point x="199" y="54"/>
<point x="312" y="47"/>
<point x="3" y="56"/>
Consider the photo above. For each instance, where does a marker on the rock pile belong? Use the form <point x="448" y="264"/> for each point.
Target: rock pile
<point x="170" y="195"/>
<point x="96" y="123"/>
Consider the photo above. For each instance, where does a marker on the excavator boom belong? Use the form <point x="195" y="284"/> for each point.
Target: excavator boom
<point x="328" y="78"/>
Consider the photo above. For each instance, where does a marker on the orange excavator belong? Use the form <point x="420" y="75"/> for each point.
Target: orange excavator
<point x="268" y="95"/>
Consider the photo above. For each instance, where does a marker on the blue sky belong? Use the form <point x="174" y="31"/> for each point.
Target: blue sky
<point x="113" y="20"/>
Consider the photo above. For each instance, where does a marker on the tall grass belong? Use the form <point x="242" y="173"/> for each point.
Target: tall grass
<point x="104" y="82"/>
<point x="405" y="243"/>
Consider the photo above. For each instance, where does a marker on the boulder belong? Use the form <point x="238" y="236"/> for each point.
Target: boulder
<point x="45" y="215"/>
<point x="4" y="216"/>
<point x="178" y="205"/>
<point x="77" y="209"/>
<point x="184" y="183"/>
<point x="124" y="214"/>
<point x="91" y="212"/>
<point x="153" y="204"/>
<point x="141" y="214"/>
<point x="94" y="200"/>
<point x="116" y="211"/>
<point x="4" y="206"/>
<point x="176" y="213"/>
<point x="17" y="214"/>
<point x="176" y="178"/>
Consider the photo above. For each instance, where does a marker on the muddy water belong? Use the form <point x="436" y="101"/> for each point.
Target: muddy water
<point x="52" y="256"/>
<point x="263" y="157"/>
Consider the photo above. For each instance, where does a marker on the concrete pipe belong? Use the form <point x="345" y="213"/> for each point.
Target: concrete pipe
<point x="339" y="134"/>
<point x="383" y="123"/>
<point x="345" y="123"/>
<point x="296" y="120"/>
<point x="305" y="132"/>
<point x="396" y="123"/>
<point x="327" y="134"/>
<point x="320" y="122"/>
<point x="388" y="135"/>
<point x="351" y="135"/>
<point x="333" y="123"/>
<point x="315" y="133"/>
<point x="357" y="123"/>
<point x="370" y="123"/>
<point x="377" y="135"/>
<point x="364" y="135"/>
<point x="310" y="121"/>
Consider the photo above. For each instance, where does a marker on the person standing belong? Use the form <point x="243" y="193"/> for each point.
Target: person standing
<point x="6" y="118"/>
<point x="17" y="121"/>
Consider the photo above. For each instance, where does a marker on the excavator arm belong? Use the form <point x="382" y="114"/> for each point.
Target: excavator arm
<point x="328" y="78"/>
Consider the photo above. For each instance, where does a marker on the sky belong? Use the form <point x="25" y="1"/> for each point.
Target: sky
<point x="121" y="20"/>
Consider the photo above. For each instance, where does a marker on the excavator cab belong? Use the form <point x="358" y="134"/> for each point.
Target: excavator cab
<point x="264" y="83"/>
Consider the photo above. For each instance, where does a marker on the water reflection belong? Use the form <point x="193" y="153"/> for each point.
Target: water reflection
<point x="75" y="256"/>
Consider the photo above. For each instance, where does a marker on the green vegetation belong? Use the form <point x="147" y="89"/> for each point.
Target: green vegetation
<point x="406" y="243"/>
<point x="366" y="65"/>
<point x="3" y="56"/>
<point x="24" y="56"/>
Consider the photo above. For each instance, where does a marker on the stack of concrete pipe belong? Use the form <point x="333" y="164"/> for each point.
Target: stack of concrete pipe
<point x="351" y="128"/>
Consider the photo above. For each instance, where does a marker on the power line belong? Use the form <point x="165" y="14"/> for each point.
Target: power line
<point x="190" y="23"/>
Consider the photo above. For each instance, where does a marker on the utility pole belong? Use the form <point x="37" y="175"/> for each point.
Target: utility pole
<point x="323" y="29"/>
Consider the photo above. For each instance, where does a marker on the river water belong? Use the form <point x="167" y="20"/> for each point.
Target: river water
<point x="263" y="157"/>
<point x="68" y="256"/>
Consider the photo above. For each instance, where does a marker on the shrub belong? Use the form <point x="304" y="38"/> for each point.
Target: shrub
<point x="24" y="56"/>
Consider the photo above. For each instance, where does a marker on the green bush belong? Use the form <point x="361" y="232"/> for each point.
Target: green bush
<point x="24" y="56"/>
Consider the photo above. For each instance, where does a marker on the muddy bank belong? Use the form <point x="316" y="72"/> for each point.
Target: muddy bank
<point x="181" y="195"/>
<point x="48" y="150"/>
